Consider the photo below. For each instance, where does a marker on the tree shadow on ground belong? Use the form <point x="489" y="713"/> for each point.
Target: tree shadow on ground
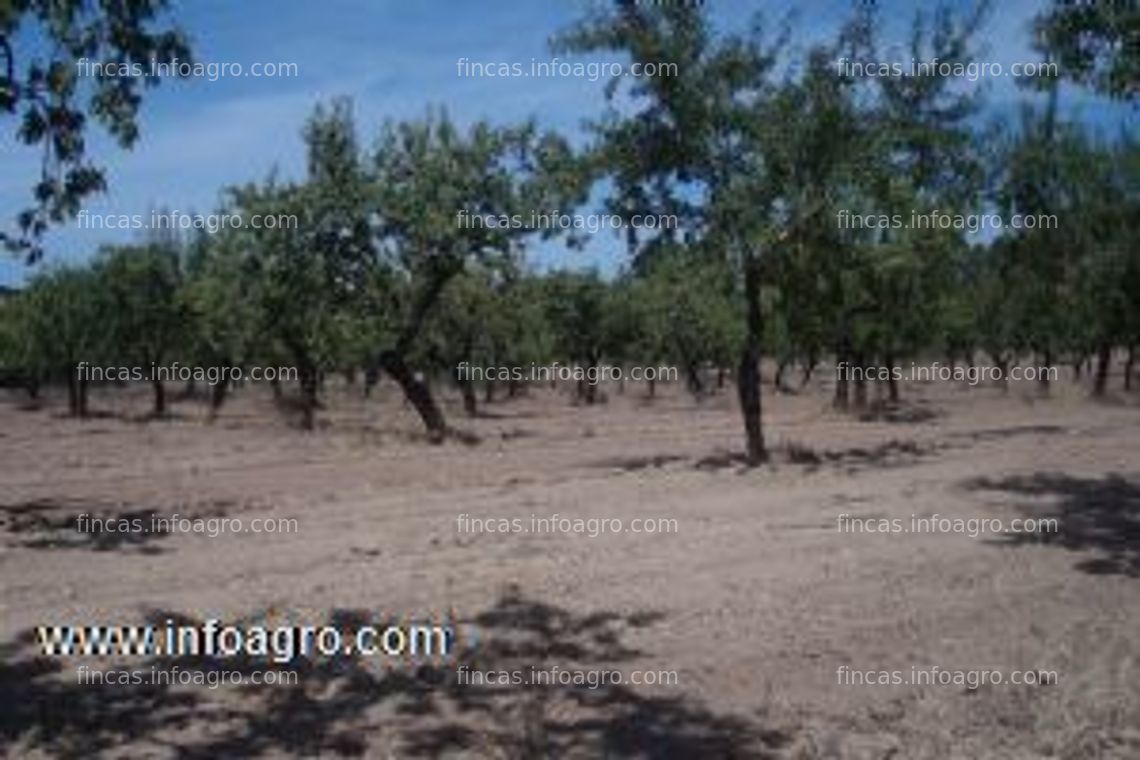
<point x="54" y="524"/>
<point x="1100" y="516"/>
<point x="634" y="463"/>
<point x="890" y="454"/>
<point x="348" y="706"/>
<point x="901" y="412"/>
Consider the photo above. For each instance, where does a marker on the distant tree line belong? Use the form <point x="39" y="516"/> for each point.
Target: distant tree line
<point x="758" y="151"/>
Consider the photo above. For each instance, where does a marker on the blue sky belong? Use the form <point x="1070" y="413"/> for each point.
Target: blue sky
<point x="394" y="58"/>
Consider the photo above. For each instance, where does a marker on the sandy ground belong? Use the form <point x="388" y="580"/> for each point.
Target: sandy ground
<point x="755" y="601"/>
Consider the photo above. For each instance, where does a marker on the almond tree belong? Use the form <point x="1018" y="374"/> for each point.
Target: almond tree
<point x="63" y="65"/>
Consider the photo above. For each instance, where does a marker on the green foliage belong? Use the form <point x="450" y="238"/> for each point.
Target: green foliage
<point x="60" y="83"/>
<point x="1096" y="43"/>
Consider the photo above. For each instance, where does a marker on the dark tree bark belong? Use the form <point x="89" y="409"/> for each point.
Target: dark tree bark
<point x="218" y="397"/>
<point x="76" y="393"/>
<point x="1002" y="364"/>
<point x="159" y="396"/>
<point x="809" y="369"/>
<point x="371" y="377"/>
<point x="310" y="386"/>
<point x="1128" y="363"/>
<point x="1046" y="364"/>
<point x="417" y="393"/>
<point x="1103" y="360"/>
<point x="860" y="362"/>
<point x="693" y="377"/>
<point x="470" y="401"/>
<point x="893" y="382"/>
<point x="393" y="360"/>
<point x="778" y="382"/>
<point x="748" y="372"/>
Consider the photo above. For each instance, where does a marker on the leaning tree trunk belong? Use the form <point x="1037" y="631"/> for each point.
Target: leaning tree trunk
<point x="393" y="360"/>
<point x="748" y="372"/>
<point x="778" y="382"/>
<point x="809" y="369"/>
<point x="417" y="393"/>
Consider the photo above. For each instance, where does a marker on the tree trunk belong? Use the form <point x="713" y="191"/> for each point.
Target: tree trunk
<point x="159" y="396"/>
<point x="588" y="391"/>
<point x="1103" y="359"/>
<point x="1128" y="367"/>
<point x="488" y="391"/>
<point x="721" y="374"/>
<point x="893" y="381"/>
<point x="371" y="378"/>
<point x="470" y="401"/>
<point x="1002" y="364"/>
<point x="693" y="376"/>
<point x="218" y="396"/>
<point x="748" y="372"/>
<point x="809" y="369"/>
<point x="310" y="384"/>
<point x="73" y="394"/>
<point x="843" y="359"/>
<point x="1043" y="377"/>
<point x="778" y="382"/>
<point x="417" y="393"/>
<point x="651" y="391"/>
<point x="860" y="362"/>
